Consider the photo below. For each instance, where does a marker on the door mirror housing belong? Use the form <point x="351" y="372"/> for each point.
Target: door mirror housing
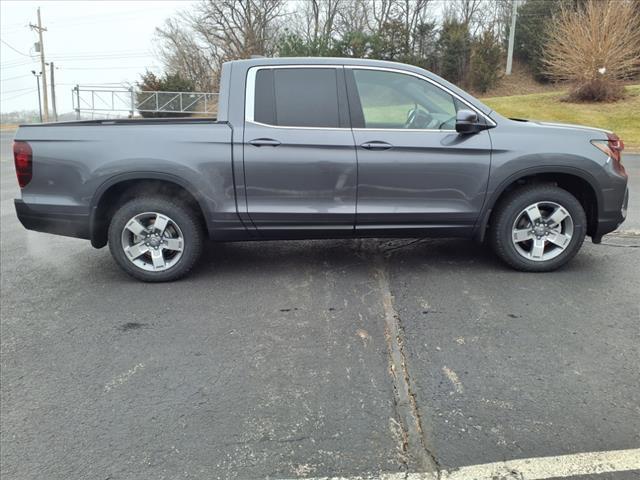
<point x="467" y="122"/>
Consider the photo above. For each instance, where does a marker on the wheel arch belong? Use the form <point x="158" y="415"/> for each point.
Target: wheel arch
<point x="120" y="188"/>
<point x="578" y="182"/>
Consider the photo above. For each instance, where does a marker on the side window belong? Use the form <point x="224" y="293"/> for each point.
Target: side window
<point x="396" y="100"/>
<point x="297" y="97"/>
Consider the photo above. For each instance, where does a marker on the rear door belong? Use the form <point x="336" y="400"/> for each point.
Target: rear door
<point x="414" y="171"/>
<point x="299" y="156"/>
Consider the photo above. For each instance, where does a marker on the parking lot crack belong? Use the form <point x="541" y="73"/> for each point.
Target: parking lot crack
<point x="415" y="443"/>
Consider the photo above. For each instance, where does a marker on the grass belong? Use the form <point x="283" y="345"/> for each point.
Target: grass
<point x="622" y="117"/>
<point x="391" y="114"/>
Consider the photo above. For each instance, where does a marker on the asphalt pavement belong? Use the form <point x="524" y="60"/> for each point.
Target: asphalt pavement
<point x="276" y="359"/>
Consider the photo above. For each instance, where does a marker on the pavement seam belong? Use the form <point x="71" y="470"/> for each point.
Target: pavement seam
<point x="415" y="442"/>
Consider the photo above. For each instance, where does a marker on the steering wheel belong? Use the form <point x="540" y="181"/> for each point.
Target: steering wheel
<point x="417" y="117"/>
<point x="446" y="121"/>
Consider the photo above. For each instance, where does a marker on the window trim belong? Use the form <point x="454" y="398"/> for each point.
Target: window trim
<point x="250" y="91"/>
<point x="250" y="88"/>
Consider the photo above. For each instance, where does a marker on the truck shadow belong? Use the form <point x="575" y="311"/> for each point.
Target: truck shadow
<point x="280" y="256"/>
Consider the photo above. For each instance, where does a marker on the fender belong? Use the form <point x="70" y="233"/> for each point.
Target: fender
<point x="96" y="240"/>
<point x="483" y="219"/>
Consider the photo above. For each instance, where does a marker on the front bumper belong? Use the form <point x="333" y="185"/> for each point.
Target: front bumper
<point x="52" y="220"/>
<point x="611" y="222"/>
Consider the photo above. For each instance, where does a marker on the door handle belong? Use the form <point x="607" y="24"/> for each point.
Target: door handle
<point x="376" y="145"/>
<point x="264" y="142"/>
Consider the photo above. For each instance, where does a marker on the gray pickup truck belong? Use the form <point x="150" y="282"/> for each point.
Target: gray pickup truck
<point x="322" y="148"/>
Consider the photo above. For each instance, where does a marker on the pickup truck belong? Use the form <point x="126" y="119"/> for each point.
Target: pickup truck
<point x="306" y="148"/>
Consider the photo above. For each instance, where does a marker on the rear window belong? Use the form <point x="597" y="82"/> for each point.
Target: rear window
<point x="297" y="97"/>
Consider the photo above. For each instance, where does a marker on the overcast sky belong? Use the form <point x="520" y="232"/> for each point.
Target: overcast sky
<point x="90" y="42"/>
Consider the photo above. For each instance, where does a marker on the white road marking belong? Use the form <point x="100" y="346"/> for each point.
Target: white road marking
<point x="541" y="468"/>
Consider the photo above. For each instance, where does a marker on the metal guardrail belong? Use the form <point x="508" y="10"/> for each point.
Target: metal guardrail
<point x="128" y="101"/>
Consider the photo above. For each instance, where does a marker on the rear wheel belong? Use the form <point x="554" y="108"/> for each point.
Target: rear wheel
<point x="154" y="239"/>
<point x="538" y="228"/>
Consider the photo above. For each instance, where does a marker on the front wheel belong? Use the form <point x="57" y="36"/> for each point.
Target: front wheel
<point x="154" y="239"/>
<point x="538" y="228"/>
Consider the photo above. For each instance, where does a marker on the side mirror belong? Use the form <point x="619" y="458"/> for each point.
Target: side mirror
<point x="467" y="122"/>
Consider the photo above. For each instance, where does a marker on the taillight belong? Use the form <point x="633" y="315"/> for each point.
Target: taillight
<point x="23" y="158"/>
<point x="612" y="148"/>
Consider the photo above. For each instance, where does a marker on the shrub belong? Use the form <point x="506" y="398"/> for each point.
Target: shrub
<point x="594" y="47"/>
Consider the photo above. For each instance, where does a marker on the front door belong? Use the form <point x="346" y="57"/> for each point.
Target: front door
<point x="414" y="171"/>
<point x="299" y="156"/>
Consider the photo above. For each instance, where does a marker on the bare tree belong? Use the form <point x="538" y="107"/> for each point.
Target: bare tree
<point x="183" y="52"/>
<point x="594" y="47"/>
<point x="318" y="20"/>
<point x="476" y="14"/>
<point x="354" y="16"/>
<point x="240" y="28"/>
<point x="195" y="43"/>
<point x="414" y="13"/>
<point x="383" y="12"/>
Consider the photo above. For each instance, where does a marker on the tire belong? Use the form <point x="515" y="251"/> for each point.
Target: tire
<point x="152" y="254"/>
<point x="543" y="245"/>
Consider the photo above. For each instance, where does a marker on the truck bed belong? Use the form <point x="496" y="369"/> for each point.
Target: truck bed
<point x="74" y="163"/>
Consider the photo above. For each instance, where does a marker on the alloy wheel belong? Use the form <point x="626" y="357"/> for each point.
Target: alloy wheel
<point x="152" y="241"/>
<point x="542" y="231"/>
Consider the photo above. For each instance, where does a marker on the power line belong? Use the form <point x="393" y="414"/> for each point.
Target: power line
<point x="109" y="52"/>
<point x="99" y="16"/>
<point x="17" y="90"/>
<point x="15" y="65"/>
<point x="14" y="78"/>
<point x="109" y="68"/>
<point x="19" y="95"/>
<point x="14" y="49"/>
<point x="65" y="58"/>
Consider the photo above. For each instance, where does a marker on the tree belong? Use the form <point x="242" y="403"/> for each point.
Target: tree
<point x="183" y="52"/>
<point x="321" y="18"/>
<point x="195" y="43"/>
<point x="531" y="33"/>
<point x="311" y="30"/>
<point x="473" y="13"/>
<point x="353" y="44"/>
<point x="353" y="16"/>
<point x="454" y="46"/>
<point x="150" y="82"/>
<point x="391" y="42"/>
<point x="594" y="47"/>
<point x="486" y="59"/>
<point x="425" y="50"/>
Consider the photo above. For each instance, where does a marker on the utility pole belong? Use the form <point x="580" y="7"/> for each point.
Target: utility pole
<point x="512" y="36"/>
<point x="39" y="101"/>
<point x="53" y="93"/>
<point x="39" y="28"/>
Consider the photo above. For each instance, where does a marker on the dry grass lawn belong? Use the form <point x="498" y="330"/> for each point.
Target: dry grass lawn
<point x="622" y="117"/>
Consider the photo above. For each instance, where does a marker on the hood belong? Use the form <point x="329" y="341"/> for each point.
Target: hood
<point x="567" y="126"/>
